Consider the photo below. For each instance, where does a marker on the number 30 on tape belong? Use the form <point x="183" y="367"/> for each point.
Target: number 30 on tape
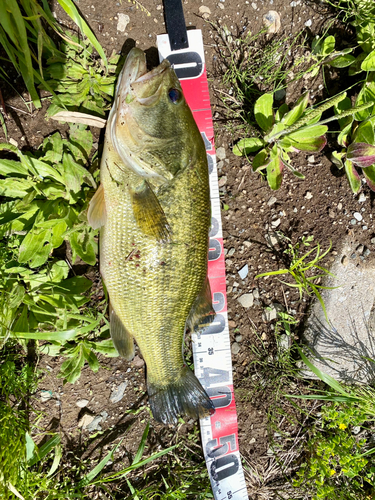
<point x="211" y="347"/>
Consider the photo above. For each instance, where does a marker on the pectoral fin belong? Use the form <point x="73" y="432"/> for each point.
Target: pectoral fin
<point x="149" y="214"/>
<point x="121" y="338"/>
<point x="97" y="214"/>
<point x="202" y="313"/>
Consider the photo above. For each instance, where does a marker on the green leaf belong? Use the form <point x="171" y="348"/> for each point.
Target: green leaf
<point x="15" y="188"/>
<point x="80" y="143"/>
<point x="59" y="271"/>
<point x="297" y="111"/>
<point x="32" y="243"/>
<point x="247" y="146"/>
<point x="307" y="133"/>
<point x="337" y="159"/>
<point x="369" y="174"/>
<point x="366" y="95"/>
<point x="260" y="160"/>
<point x="142" y="445"/>
<point x="263" y="111"/>
<point x="83" y="245"/>
<point x="13" y="167"/>
<point x="274" y="170"/>
<point x="46" y="448"/>
<point x="369" y="62"/>
<point x="71" y="368"/>
<point x="342" y="61"/>
<point x="353" y="177"/>
<point x="328" y="45"/>
<point x="91" y="359"/>
<point x="355" y="68"/>
<point x="364" y="132"/>
<point x="283" y="109"/>
<point x="58" y="231"/>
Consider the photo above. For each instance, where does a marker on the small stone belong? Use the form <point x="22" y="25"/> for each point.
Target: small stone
<point x="246" y="300"/>
<point x="252" y="441"/>
<point x="331" y="213"/>
<point x="275" y="223"/>
<point x="373" y="241"/>
<point x="82" y="403"/>
<point x="272" y="239"/>
<point x="356" y="430"/>
<point x="220" y="153"/>
<point x="367" y="252"/>
<point x="357" y="216"/>
<point x="232" y="324"/>
<point x="280" y="94"/>
<point x="308" y="23"/>
<point x="271" y="20"/>
<point x="244" y="271"/>
<point x="45" y="396"/>
<point x="362" y="198"/>
<point x="238" y="338"/>
<point x="271" y="201"/>
<point x="308" y="195"/>
<point x="94" y="425"/>
<point x="138" y="362"/>
<point x="231" y="251"/>
<point x="13" y="142"/>
<point x="235" y="348"/>
<point x="123" y="21"/>
<point x="293" y="4"/>
<point x="221" y="6"/>
<point x="256" y="293"/>
<point x="364" y="228"/>
<point x="360" y="248"/>
<point x="104" y="414"/>
<point x="284" y="342"/>
<point x="353" y="222"/>
<point x="339" y="206"/>
<point x="270" y="313"/>
<point x="222" y="181"/>
<point x="311" y="159"/>
<point x="204" y="10"/>
<point x="118" y="393"/>
<point x="85" y="420"/>
<point x="254" y="5"/>
<point x="345" y="261"/>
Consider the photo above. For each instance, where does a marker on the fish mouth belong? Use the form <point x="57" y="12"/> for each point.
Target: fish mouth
<point x="135" y="82"/>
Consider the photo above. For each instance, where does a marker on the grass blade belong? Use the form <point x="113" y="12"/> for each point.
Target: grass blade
<point x="142" y="444"/>
<point x="97" y="469"/>
<point x="72" y="11"/>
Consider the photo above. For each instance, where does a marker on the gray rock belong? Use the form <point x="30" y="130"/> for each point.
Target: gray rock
<point x="82" y="403"/>
<point x="272" y="239"/>
<point x="85" y="420"/>
<point x="270" y="313"/>
<point x="357" y="216"/>
<point x="244" y="271"/>
<point x="343" y="345"/>
<point x="45" y="396"/>
<point x="220" y="153"/>
<point x="271" y="201"/>
<point x="123" y="21"/>
<point x="94" y="424"/>
<point x="231" y="251"/>
<point x="238" y="338"/>
<point x="256" y="294"/>
<point x="246" y="300"/>
<point x="235" y="348"/>
<point x="118" y="393"/>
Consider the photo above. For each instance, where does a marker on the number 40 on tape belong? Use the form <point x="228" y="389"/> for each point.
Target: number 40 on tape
<point x="211" y="347"/>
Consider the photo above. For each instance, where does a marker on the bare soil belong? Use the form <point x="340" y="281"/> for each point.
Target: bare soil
<point x="322" y="205"/>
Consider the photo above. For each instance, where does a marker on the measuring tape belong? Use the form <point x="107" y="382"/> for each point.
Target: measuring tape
<point x="211" y="347"/>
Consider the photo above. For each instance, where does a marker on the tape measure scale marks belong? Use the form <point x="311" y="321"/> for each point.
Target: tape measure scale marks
<point x="211" y="346"/>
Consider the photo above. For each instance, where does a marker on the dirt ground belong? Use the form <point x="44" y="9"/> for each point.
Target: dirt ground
<point x="322" y="205"/>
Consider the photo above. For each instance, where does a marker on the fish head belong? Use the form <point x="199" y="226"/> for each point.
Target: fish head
<point x="150" y="123"/>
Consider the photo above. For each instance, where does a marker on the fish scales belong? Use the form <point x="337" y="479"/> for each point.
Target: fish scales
<point x="153" y="207"/>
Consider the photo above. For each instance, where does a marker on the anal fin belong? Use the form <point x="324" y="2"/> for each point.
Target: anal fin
<point x="202" y="313"/>
<point x="96" y="213"/>
<point x="121" y="338"/>
<point x="149" y="214"/>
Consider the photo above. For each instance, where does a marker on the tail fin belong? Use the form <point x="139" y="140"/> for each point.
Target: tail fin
<point x="184" y="396"/>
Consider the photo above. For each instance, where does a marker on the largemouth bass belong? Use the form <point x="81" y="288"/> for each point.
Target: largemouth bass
<point x="153" y="207"/>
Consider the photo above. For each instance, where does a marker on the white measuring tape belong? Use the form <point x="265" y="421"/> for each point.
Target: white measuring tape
<point x="211" y="348"/>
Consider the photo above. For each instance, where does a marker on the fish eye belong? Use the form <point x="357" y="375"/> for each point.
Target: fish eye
<point x="174" y="95"/>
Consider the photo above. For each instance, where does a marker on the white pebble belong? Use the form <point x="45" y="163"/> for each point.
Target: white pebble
<point x="244" y="271"/>
<point x="308" y="23"/>
<point x="357" y="216"/>
<point x="123" y="21"/>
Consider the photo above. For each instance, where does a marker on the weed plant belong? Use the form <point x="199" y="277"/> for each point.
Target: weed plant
<point x="26" y="42"/>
